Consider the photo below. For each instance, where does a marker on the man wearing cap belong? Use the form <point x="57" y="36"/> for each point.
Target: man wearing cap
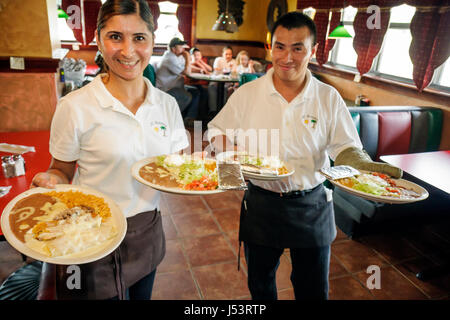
<point x="169" y="77"/>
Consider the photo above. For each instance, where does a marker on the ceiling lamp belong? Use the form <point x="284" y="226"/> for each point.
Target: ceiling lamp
<point x="340" y="31"/>
<point x="225" y="22"/>
<point x="62" y="14"/>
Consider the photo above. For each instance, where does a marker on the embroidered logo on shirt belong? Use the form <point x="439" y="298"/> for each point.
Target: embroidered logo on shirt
<point x="159" y="127"/>
<point x="310" y="121"/>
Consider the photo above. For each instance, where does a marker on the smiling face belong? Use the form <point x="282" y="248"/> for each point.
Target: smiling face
<point x="126" y="44"/>
<point x="291" y="52"/>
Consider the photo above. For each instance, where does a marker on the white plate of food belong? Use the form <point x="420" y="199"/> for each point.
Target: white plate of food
<point x="178" y="174"/>
<point x="66" y="225"/>
<point x="381" y="188"/>
<point x="266" y="168"/>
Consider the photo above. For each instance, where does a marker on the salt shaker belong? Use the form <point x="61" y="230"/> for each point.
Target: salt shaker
<point x="9" y="169"/>
<point x="19" y="163"/>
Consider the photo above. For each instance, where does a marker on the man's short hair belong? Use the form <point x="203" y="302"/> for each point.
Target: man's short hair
<point x="176" y="41"/>
<point x="296" y="19"/>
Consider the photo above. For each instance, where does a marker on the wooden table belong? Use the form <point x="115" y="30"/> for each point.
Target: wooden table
<point x="432" y="168"/>
<point x="34" y="161"/>
<point x="221" y="80"/>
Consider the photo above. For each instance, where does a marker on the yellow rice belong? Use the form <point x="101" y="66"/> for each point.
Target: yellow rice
<point x="76" y="198"/>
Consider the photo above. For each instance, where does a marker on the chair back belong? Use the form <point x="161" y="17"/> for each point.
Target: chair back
<point x="150" y="74"/>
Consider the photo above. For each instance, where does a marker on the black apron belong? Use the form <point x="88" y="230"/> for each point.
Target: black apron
<point x="303" y="220"/>
<point x="140" y="252"/>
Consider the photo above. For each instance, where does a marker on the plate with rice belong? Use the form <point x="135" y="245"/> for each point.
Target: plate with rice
<point x="66" y="225"/>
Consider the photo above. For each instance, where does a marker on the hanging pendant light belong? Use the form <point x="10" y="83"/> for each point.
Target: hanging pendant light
<point x="340" y="31"/>
<point x="225" y="22"/>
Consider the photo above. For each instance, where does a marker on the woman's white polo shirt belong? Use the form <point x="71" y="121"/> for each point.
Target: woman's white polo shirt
<point x="95" y="129"/>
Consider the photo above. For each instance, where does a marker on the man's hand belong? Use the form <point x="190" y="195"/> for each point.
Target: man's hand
<point x="359" y="159"/>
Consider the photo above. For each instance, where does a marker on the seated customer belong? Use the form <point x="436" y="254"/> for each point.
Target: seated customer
<point x="198" y="65"/>
<point x="243" y="65"/>
<point x="222" y="65"/>
<point x="169" y="77"/>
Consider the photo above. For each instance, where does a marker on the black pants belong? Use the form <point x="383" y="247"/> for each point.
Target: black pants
<point x="309" y="277"/>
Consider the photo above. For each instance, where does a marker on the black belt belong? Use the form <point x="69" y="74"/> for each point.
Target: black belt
<point x="291" y="194"/>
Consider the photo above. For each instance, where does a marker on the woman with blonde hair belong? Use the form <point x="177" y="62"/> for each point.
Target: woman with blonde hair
<point x="243" y="63"/>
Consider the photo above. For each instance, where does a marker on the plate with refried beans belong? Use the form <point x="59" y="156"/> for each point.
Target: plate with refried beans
<point x="66" y="225"/>
<point x="179" y="174"/>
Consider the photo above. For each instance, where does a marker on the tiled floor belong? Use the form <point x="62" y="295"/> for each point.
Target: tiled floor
<point x="202" y="249"/>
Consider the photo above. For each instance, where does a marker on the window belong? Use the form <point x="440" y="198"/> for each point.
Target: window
<point x="343" y="52"/>
<point x="65" y="33"/>
<point x="167" y="23"/>
<point x="393" y="60"/>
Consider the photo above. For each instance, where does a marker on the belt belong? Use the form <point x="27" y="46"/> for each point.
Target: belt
<point x="291" y="194"/>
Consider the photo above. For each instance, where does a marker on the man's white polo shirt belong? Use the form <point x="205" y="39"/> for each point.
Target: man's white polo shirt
<point x="314" y="126"/>
<point x="95" y="129"/>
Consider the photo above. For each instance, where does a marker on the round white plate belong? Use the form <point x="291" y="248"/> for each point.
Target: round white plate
<point x="135" y="173"/>
<point x="257" y="176"/>
<point x="86" y="256"/>
<point x="385" y="199"/>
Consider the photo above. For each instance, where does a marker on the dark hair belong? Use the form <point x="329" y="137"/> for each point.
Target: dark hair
<point x="193" y="50"/>
<point x="296" y="19"/>
<point x="226" y="48"/>
<point x="118" y="7"/>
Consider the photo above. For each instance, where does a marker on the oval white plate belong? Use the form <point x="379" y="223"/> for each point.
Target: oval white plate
<point x="385" y="199"/>
<point x="257" y="176"/>
<point x="86" y="256"/>
<point x="135" y="173"/>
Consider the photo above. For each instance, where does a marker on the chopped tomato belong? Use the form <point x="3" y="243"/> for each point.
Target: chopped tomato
<point x="202" y="184"/>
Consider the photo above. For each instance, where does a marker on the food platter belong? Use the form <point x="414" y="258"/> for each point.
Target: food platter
<point x="93" y="253"/>
<point x="175" y="189"/>
<point x="422" y="194"/>
<point x="229" y="155"/>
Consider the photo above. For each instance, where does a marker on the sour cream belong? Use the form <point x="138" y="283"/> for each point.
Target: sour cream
<point x="174" y="160"/>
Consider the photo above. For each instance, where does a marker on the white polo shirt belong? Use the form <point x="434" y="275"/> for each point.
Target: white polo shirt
<point x="221" y="64"/>
<point x="314" y="126"/>
<point x="95" y="129"/>
<point x="168" y="71"/>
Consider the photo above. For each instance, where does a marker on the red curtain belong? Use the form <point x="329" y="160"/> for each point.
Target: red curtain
<point x="154" y="8"/>
<point x="74" y="22"/>
<point x="91" y="9"/>
<point x="430" y="46"/>
<point x="367" y="42"/>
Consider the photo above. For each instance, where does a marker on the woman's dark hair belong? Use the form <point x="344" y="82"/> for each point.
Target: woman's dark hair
<point x="118" y="7"/>
<point x="113" y="8"/>
<point x="296" y="19"/>
<point x="193" y="50"/>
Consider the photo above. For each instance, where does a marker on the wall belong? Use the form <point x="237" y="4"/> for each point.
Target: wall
<point x="27" y="101"/>
<point x="26" y="29"/>
<point x="252" y="29"/>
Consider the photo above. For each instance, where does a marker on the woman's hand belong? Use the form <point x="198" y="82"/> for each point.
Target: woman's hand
<point x="60" y="172"/>
<point x="46" y="180"/>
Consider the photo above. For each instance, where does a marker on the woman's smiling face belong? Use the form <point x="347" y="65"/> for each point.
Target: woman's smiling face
<point x="126" y="44"/>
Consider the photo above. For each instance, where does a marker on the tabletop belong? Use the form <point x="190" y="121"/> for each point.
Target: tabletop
<point x="430" y="167"/>
<point x="213" y="78"/>
<point x="35" y="162"/>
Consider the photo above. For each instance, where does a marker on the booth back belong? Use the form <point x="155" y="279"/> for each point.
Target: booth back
<point x="398" y="130"/>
